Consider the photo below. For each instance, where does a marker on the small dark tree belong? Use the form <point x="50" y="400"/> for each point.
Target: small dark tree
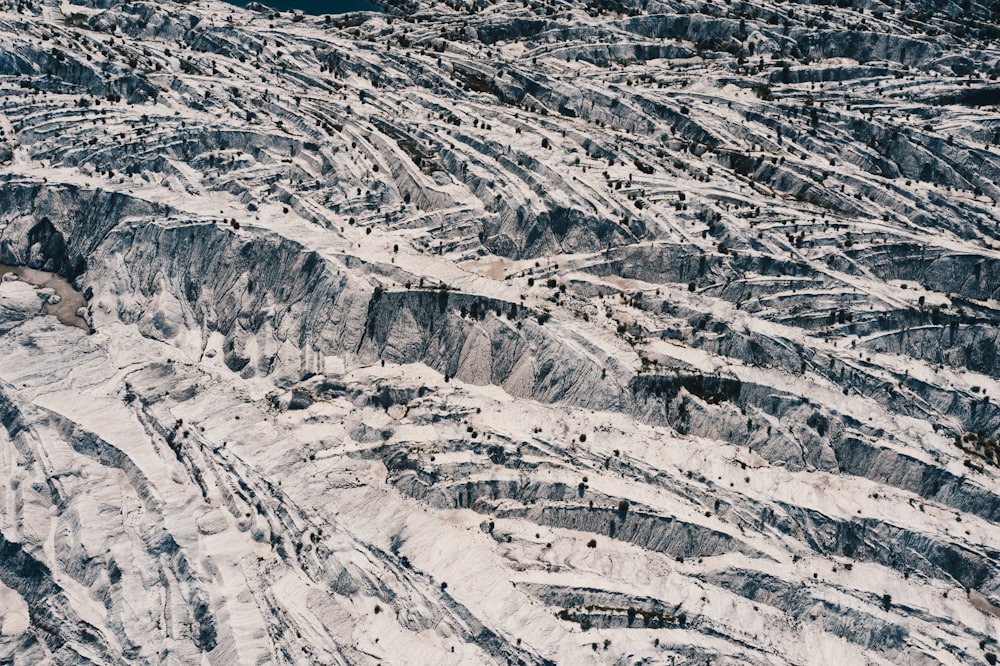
<point x="623" y="507"/>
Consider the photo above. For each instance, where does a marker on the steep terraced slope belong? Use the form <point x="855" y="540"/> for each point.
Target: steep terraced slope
<point x="501" y="332"/>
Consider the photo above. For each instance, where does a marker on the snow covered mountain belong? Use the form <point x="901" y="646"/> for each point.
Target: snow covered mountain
<point x="541" y="332"/>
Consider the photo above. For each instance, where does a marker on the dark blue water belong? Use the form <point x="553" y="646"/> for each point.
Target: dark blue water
<point x="317" y="7"/>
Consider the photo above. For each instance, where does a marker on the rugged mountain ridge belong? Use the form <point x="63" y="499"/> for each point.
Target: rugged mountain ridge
<point x="539" y="332"/>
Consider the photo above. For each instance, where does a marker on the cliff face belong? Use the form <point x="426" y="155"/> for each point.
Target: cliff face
<point x="497" y="332"/>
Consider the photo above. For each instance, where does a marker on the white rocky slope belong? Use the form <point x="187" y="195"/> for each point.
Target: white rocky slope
<point x="512" y="332"/>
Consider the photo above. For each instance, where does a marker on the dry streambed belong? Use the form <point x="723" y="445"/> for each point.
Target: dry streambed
<point x="57" y="296"/>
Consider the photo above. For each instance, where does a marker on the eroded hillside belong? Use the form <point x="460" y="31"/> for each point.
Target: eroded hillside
<point x="501" y="332"/>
